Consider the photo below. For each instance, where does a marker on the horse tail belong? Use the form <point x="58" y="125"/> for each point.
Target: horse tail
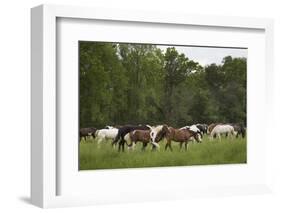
<point x="128" y="138"/>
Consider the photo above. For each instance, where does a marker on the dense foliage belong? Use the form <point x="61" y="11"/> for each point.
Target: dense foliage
<point x="140" y="84"/>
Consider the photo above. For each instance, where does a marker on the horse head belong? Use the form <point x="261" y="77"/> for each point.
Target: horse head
<point x="196" y="133"/>
<point x="162" y="133"/>
<point x="157" y="133"/>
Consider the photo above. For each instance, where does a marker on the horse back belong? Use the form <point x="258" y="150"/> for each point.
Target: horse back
<point x="179" y="135"/>
<point x="126" y="129"/>
<point x="140" y="135"/>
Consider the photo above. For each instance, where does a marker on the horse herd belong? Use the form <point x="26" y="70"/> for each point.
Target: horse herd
<point x="146" y="134"/>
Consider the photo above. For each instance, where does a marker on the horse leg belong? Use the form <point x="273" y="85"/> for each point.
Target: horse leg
<point x="233" y="133"/>
<point x="219" y="136"/>
<point x="186" y="145"/>
<point x="180" y="146"/>
<point x="143" y="146"/>
<point x="116" y="140"/>
<point x="113" y="143"/>
<point x="119" y="146"/>
<point x="133" y="145"/>
<point x="123" y="145"/>
<point x="166" y="146"/>
<point x="99" y="141"/>
<point x="170" y="146"/>
<point x="154" y="148"/>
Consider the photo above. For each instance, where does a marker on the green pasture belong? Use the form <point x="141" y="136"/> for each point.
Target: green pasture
<point x="226" y="151"/>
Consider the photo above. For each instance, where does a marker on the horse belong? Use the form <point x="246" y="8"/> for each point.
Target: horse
<point x="105" y="134"/>
<point x="181" y="136"/>
<point x="194" y="128"/>
<point x="240" y="129"/>
<point x="222" y="129"/>
<point x="140" y="136"/>
<point x="171" y="134"/>
<point x="211" y="127"/>
<point x="122" y="132"/>
<point x="202" y="127"/>
<point x="85" y="132"/>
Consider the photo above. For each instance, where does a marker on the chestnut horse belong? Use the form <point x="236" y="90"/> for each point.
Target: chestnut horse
<point x="181" y="136"/>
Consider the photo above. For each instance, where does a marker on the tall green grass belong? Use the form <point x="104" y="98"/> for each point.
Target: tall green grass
<point x="208" y="152"/>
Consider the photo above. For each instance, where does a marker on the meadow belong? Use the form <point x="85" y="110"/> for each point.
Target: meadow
<point x="226" y="151"/>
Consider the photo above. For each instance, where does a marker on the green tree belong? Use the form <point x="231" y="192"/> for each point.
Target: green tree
<point x="139" y="83"/>
<point x="102" y="80"/>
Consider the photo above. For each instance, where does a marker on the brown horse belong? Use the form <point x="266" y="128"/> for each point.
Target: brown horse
<point x="181" y="136"/>
<point x="124" y="131"/>
<point x="142" y="136"/>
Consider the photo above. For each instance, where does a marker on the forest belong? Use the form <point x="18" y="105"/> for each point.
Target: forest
<point x="122" y="83"/>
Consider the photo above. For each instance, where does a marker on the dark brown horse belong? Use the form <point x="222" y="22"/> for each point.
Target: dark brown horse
<point x="85" y="132"/>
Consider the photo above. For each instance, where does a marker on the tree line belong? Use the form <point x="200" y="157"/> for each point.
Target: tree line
<point x="141" y="84"/>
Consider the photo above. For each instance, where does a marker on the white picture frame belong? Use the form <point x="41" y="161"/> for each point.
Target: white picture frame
<point x="44" y="154"/>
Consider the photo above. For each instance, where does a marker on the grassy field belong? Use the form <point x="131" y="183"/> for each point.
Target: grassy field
<point x="226" y="151"/>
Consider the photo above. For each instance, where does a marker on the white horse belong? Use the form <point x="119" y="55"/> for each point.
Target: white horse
<point x="106" y="134"/>
<point x="222" y="129"/>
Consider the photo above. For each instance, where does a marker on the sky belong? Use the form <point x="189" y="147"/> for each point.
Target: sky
<point x="207" y="55"/>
